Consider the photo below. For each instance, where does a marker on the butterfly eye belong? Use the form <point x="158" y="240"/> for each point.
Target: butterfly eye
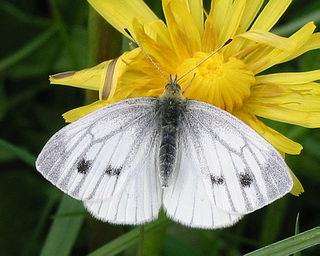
<point x="83" y="166"/>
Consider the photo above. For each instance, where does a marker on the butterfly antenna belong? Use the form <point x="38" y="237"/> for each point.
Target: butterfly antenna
<point x="147" y="55"/>
<point x="187" y="87"/>
<point x="205" y="59"/>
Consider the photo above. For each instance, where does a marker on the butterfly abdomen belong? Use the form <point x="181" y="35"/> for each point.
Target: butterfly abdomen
<point x="170" y="113"/>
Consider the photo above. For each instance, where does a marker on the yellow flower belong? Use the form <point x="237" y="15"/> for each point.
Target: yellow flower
<point x="230" y="79"/>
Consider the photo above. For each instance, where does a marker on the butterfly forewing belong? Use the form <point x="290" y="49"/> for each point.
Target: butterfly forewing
<point x="140" y="199"/>
<point x="241" y="171"/>
<point x="100" y="151"/>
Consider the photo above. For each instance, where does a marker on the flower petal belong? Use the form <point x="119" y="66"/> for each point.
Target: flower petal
<point x="75" y="114"/>
<point x="158" y="49"/>
<point x="196" y="10"/>
<point x="231" y="21"/>
<point x="182" y="28"/>
<point x="89" y="78"/>
<point x="102" y="77"/>
<point x="276" y="56"/>
<point x="297" y="188"/>
<point x="279" y="141"/>
<point x="222" y="22"/>
<point x="120" y="14"/>
<point x="312" y="44"/>
<point x="251" y="10"/>
<point x="289" y="78"/>
<point x="112" y="73"/>
<point x="297" y="104"/>
<point x="271" y="13"/>
<point x="269" y="39"/>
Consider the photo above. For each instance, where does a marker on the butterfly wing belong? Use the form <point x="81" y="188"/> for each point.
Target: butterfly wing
<point x="240" y="170"/>
<point x="94" y="157"/>
<point x="139" y="200"/>
<point x="186" y="200"/>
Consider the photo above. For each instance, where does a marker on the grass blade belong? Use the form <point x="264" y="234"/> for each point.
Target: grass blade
<point x="297" y="23"/>
<point x="22" y="16"/>
<point x="130" y="238"/>
<point x="64" y="229"/>
<point x="290" y="245"/>
<point x="27" y="49"/>
<point x="18" y="152"/>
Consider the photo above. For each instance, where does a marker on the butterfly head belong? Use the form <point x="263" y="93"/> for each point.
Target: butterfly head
<point x="173" y="89"/>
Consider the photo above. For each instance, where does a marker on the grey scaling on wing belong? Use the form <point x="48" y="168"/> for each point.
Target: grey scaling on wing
<point x="113" y="136"/>
<point x="252" y="173"/>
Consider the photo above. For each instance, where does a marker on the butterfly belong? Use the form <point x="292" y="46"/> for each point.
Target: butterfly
<point x="203" y="166"/>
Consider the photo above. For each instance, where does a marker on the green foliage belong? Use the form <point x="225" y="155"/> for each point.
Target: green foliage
<point x="44" y="37"/>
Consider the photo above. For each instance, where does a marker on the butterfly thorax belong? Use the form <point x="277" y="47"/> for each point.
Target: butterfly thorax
<point x="171" y="105"/>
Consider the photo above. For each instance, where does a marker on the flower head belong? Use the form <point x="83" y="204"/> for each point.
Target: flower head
<point x="230" y="79"/>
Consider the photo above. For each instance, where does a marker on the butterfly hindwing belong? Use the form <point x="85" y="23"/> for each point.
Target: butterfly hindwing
<point x="186" y="199"/>
<point x="100" y="151"/>
<point x="241" y="171"/>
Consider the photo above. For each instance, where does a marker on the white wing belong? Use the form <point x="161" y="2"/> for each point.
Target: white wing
<point x="241" y="171"/>
<point x="94" y="157"/>
<point x="186" y="200"/>
<point x="139" y="201"/>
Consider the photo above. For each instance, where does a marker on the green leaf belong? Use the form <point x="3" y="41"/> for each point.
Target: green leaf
<point x="65" y="228"/>
<point x="130" y="238"/>
<point x="290" y="245"/>
<point x="296" y="231"/>
<point x="17" y="152"/>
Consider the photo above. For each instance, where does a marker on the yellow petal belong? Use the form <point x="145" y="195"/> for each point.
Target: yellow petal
<point x="271" y="13"/>
<point x="279" y="141"/>
<point x="157" y="30"/>
<point x="182" y="28"/>
<point x="196" y="9"/>
<point x="112" y="73"/>
<point x="277" y="56"/>
<point x="120" y="14"/>
<point x="297" y="188"/>
<point x="210" y="34"/>
<point x="251" y="10"/>
<point x="297" y="104"/>
<point x="222" y="23"/>
<point x="75" y="114"/>
<point x="102" y="77"/>
<point x="89" y="78"/>
<point x="269" y="39"/>
<point x="312" y="44"/>
<point x="289" y="78"/>
<point x="231" y="21"/>
<point x="160" y="51"/>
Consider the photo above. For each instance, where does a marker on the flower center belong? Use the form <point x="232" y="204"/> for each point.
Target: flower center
<point x="213" y="67"/>
<point x="223" y="83"/>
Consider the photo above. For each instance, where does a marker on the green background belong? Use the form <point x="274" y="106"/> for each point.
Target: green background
<point x="39" y="38"/>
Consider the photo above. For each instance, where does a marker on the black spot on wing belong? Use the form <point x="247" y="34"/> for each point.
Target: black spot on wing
<point x="83" y="166"/>
<point x="217" y="180"/>
<point x="113" y="171"/>
<point x="245" y="179"/>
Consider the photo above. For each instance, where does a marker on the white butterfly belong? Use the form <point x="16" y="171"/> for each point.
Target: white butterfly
<point x="205" y="167"/>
